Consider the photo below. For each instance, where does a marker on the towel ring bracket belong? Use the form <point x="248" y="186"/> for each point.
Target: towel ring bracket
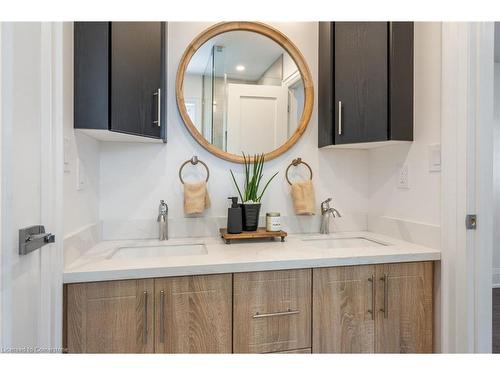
<point x="194" y="161"/>
<point x="295" y="163"/>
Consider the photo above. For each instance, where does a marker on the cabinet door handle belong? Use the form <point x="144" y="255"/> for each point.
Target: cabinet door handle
<point x="158" y="106"/>
<point x="372" y="310"/>
<point x="340" y="117"/>
<point x="145" y="293"/>
<point x="281" y="313"/>
<point x="162" y="316"/>
<point x="385" y="310"/>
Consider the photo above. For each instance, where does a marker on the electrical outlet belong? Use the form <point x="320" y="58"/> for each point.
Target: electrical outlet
<point x="404" y="177"/>
<point x="80" y="175"/>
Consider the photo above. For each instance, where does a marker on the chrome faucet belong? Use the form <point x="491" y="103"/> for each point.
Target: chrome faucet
<point x="163" y="220"/>
<point x="326" y="210"/>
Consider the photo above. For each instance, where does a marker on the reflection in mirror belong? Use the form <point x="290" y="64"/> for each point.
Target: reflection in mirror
<point x="243" y="92"/>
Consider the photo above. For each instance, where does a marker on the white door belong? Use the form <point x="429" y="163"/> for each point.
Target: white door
<point x="30" y="92"/>
<point x="256" y="118"/>
<point x="467" y="186"/>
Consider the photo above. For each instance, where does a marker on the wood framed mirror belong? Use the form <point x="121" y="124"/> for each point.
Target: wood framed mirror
<point x="244" y="87"/>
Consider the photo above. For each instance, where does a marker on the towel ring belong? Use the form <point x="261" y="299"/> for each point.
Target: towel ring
<point x="296" y="162"/>
<point x="194" y="160"/>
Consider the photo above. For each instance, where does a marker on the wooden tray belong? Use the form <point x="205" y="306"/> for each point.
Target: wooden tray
<point x="259" y="233"/>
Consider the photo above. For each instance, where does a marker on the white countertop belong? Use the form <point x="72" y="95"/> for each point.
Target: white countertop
<point x="97" y="265"/>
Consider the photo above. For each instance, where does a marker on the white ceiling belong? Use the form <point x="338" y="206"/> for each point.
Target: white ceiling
<point x="254" y="51"/>
<point x="497" y="42"/>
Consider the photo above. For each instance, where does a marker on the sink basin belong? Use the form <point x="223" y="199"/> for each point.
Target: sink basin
<point x="342" y="243"/>
<point x="155" y="251"/>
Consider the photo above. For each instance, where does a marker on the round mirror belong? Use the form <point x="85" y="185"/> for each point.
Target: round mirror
<point x="244" y="87"/>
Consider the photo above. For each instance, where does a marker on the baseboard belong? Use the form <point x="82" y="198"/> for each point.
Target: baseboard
<point x="496" y="277"/>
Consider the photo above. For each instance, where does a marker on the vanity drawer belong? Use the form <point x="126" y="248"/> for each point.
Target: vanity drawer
<point x="295" y="351"/>
<point x="272" y="311"/>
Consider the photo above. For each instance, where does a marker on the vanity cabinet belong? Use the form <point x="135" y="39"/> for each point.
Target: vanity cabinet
<point x="272" y="311"/>
<point x="119" y="80"/>
<point x="296" y="351"/>
<point x="110" y="317"/>
<point x="383" y="308"/>
<point x="404" y="321"/>
<point x="193" y="314"/>
<point x="343" y="321"/>
<point x="189" y="314"/>
<point x="365" y="83"/>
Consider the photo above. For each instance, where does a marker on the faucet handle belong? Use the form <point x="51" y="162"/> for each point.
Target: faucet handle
<point x="325" y="205"/>
<point x="335" y="211"/>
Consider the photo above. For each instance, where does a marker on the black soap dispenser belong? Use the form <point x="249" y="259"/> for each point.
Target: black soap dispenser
<point x="234" y="218"/>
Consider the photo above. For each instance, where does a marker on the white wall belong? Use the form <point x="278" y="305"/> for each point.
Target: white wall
<point x="274" y="74"/>
<point x="421" y="202"/>
<point x="134" y="177"/>
<point x="289" y="66"/>
<point x="81" y="207"/>
<point x="496" y="177"/>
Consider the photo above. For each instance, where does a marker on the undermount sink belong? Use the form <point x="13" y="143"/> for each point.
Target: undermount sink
<point x="155" y="251"/>
<point x="342" y="243"/>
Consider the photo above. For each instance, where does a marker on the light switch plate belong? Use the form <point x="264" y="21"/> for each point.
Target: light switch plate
<point x="434" y="158"/>
<point x="80" y="175"/>
<point x="66" y="155"/>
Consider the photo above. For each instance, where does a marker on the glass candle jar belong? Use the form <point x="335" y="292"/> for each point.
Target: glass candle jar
<point x="273" y="222"/>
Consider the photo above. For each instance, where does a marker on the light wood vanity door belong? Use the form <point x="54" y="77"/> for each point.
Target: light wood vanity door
<point x="343" y="301"/>
<point x="272" y="311"/>
<point x="193" y="314"/>
<point x="405" y="308"/>
<point x="110" y="317"/>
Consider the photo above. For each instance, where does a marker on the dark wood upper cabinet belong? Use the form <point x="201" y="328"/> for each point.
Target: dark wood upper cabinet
<point x="119" y="79"/>
<point x="91" y="75"/>
<point x="365" y="83"/>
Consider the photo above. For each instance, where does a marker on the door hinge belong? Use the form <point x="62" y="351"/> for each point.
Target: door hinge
<point x="471" y="222"/>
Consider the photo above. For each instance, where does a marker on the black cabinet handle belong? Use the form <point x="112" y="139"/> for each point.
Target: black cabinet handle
<point x="340" y="117"/>
<point x="158" y="113"/>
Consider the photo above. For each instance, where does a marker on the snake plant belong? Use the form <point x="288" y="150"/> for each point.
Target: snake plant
<point x="253" y="178"/>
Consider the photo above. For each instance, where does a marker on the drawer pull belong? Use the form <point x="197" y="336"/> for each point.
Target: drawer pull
<point x="372" y="310"/>
<point x="281" y="313"/>
<point x="162" y="316"/>
<point x="385" y="310"/>
<point x="145" y="293"/>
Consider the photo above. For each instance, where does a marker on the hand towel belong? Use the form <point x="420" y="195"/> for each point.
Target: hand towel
<point x="196" y="198"/>
<point x="304" y="202"/>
